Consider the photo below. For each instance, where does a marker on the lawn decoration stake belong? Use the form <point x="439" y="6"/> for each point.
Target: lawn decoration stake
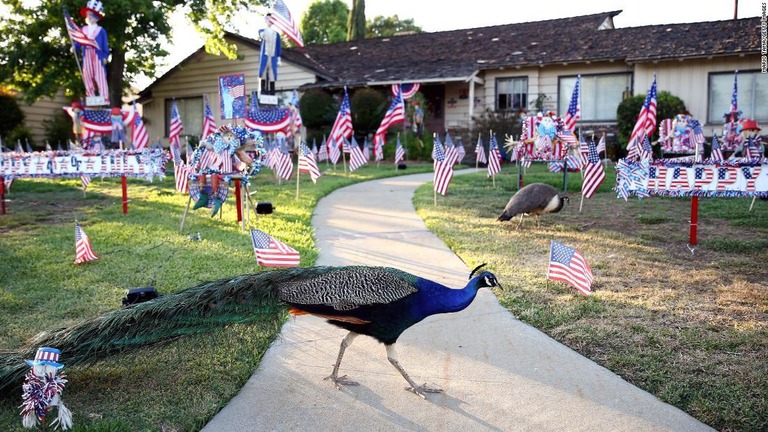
<point x="42" y="390"/>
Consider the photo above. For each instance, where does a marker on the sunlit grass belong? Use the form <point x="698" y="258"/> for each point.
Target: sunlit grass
<point x="691" y="328"/>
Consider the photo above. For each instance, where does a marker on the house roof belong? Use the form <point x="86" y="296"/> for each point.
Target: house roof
<point x="458" y="55"/>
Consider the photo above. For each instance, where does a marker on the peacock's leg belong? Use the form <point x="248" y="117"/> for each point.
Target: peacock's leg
<point x="420" y="390"/>
<point x="538" y="221"/>
<point x="344" y="380"/>
<point x="521" y="222"/>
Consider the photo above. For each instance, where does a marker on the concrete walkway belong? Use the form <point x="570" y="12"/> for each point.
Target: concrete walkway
<point x="497" y="373"/>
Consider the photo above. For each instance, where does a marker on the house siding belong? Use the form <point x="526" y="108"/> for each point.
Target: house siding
<point x="34" y="115"/>
<point x="199" y="76"/>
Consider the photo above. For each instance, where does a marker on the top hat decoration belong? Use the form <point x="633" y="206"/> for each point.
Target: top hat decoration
<point x="46" y="356"/>
<point x="94" y="6"/>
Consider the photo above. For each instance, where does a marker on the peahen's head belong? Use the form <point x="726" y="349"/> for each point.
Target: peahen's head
<point x="485" y="279"/>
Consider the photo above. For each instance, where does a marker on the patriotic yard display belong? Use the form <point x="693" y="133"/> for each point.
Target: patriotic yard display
<point x="42" y="390"/>
<point x="230" y="151"/>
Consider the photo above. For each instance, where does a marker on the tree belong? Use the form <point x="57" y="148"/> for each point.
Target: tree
<point x="325" y="22"/>
<point x="11" y="117"/>
<point x="36" y="57"/>
<point x="382" y="26"/>
<point x="356" y="21"/>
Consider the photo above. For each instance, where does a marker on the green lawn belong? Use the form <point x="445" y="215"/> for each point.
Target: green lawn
<point x="689" y="328"/>
<point x="41" y="289"/>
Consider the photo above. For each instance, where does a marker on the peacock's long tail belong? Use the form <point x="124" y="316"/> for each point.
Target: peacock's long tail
<point x="242" y="299"/>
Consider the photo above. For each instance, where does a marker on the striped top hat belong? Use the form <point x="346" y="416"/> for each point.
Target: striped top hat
<point x="94" y="6"/>
<point x="46" y="356"/>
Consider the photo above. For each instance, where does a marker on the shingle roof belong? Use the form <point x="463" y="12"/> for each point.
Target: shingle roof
<point x="459" y="53"/>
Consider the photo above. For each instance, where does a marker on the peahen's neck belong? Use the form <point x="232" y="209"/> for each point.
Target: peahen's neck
<point x="436" y="298"/>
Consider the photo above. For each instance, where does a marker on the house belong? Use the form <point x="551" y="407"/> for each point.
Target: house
<point x="506" y="67"/>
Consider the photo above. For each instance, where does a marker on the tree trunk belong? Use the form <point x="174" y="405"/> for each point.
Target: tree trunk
<point x="356" y="22"/>
<point x="115" y="70"/>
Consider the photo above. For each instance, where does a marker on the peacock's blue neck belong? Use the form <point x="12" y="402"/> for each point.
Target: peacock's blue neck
<point x="435" y="298"/>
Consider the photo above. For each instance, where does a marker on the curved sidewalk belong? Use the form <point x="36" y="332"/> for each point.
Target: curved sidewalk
<point x="497" y="373"/>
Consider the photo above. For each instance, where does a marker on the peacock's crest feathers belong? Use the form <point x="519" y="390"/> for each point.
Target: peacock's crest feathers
<point x="347" y="288"/>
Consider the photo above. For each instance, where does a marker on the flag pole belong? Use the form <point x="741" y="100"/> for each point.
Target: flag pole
<point x="344" y="160"/>
<point x="298" y="174"/>
<point x="74" y="50"/>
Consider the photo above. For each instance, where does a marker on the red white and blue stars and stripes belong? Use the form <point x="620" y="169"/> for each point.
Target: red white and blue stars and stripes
<point x="646" y="122"/>
<point x="494" y="157"/>
<point x="567" y="264"/>
<point x="271" y="252"/>
<point x="574" y="108"/>
<point x="209" y="122"/>
<point x="282" y="19"/>
<point x="717" y="153"/>
<point x="480" y="150"/>
<point x="174" y="131"/>
<point x="594" y="174"/>
<point x="83" y="251"/>
<point x="399" y="152"/>
<point x="395" y="114"/>
<point x="443" y="168"/>
<point x="307" y="162"/>
<point x="342" y="127"/>
<point x="407" y="90"/>
<point x="356" y="157"/>
<point x="735" y="94"/>
<point x="76" y="33"/>
<point x="269" y="120"/>
<point x="139" y="135"/>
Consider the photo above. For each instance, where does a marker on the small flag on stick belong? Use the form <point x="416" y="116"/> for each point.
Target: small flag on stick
<point x="271" y="252"/>
<point x="566" y="264"/>
<point x="83" y="251"/>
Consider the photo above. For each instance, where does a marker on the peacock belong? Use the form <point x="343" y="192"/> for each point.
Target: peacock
<point x="533" y="199"/>
<point x="381" y="302"/>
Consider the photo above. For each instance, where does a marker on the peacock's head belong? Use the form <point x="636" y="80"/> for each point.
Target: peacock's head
<point x="485" y="279"/>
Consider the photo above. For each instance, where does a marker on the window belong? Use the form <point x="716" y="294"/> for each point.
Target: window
<point x="600" y="95"/>
<point x="511" y="93"/>
<point x="191" y="112"/>
<point x="753" y="92"/>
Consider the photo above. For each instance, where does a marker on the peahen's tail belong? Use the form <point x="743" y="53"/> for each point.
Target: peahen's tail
<point x="242" y="299"/>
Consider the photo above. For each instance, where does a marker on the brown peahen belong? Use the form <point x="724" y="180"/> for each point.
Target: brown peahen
<point x="380" y="302"/>
<point x="533" y="199"/>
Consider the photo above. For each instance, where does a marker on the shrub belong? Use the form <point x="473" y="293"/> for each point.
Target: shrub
<point x="368" y="107"/>
<point x="12" y="117"/>
<point x="318" y="111"/>
<point x="58" y="128"/>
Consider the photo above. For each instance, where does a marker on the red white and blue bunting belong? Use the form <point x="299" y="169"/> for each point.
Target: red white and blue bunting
<point x="146" y="164"/>
<point x="676" y="177"/>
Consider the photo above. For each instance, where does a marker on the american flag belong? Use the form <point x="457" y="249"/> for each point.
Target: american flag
<point x="567" y="264"/>
<point x="225" y="161"/>
<point x="460" y="150"/>
<point x="443" y="168"/>
<point x="83" y="251"/>
<point x="646" y="152"/>
<point x="271" y="252"/>
<point x="284" y="164"/>
<point x="494" y="157"/>
<point x="86" y="180"/>
<point x="399" y="152"/>
<point x="209" y="123"/>
<point x="717" y="152"/>
<point x="282" y="20"/>
<point x="367" y="148"/>
<point x="480" y="150"/>
<point x="333" y="151"/>
<point x="342" y="127"/>
<point x="189" y="153"/>
<point x="174" y="134"/>
<point x="269" y="120"/>
<point x="646" y="122"/>
<point x="96" y="120"/>
<point x="574" y="108"/>
<point x="356" y="158"/>
<point x="307" y="162"/>
<point x="735" y="94"/>
<point x="601" y="145"/>
<point x="237" y="91"/>
<point x="139" y="135"/>
<point x="322" y="152"/>
<point x="407" y="90"/>
<point x="594" y="174"/>
<point x="76" y="33"/>
<point x="395" y="114"/>
<point x="181" y="173"/>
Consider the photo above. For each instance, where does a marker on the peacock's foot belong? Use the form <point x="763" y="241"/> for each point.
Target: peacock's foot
<point x="342" y="381"/>
<point x="423" y="389"/>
